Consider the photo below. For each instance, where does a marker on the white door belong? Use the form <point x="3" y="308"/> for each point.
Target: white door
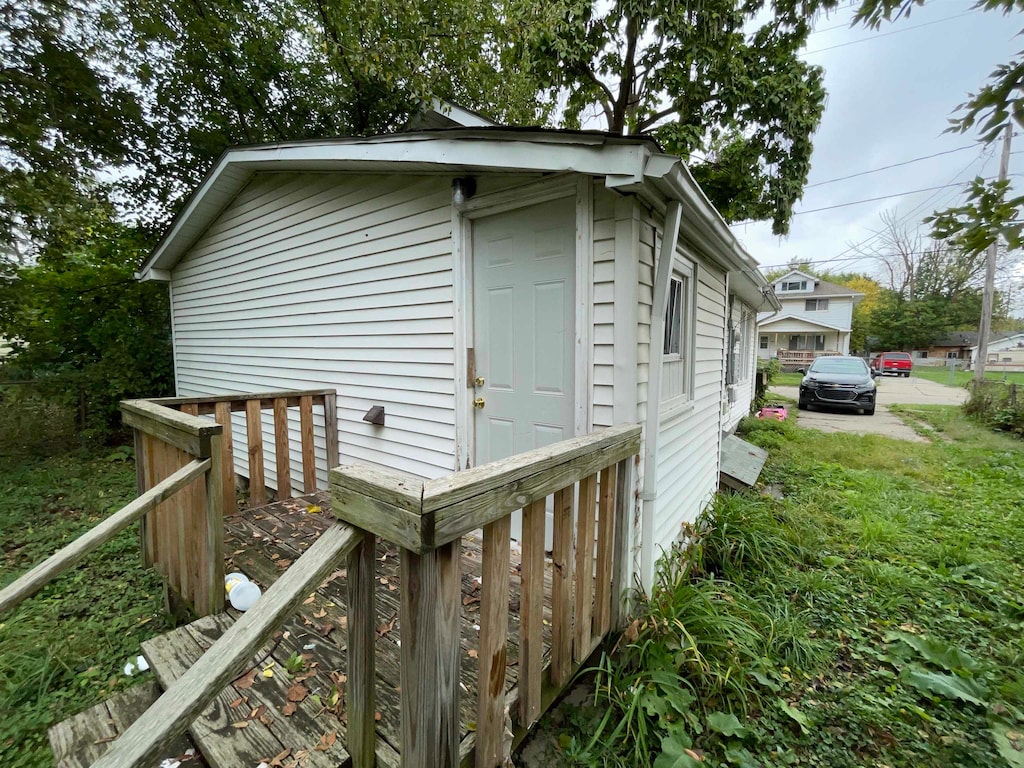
<point x="523" y="328"/>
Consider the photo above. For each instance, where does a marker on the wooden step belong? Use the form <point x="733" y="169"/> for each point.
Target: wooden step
<point x="256" y="718"/>
<point x="81" y="740"/>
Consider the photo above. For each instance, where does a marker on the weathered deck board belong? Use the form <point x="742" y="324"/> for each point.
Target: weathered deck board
<point x="79" y="741"/>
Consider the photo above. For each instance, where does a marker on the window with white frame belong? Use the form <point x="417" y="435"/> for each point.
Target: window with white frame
<point x="794" y="285"/>
<point x="815" y="305"/>
<point x="745" y="356"/>
<point x="762" y="343"/>
<point x="678" y="340"/>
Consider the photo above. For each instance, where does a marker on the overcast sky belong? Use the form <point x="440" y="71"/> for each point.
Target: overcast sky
<point x="891" y="93"/>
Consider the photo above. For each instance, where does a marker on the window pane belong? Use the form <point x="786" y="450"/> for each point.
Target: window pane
<point x="673" y="319"/>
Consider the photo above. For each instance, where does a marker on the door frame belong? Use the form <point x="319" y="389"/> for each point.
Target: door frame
<point x="580" y="188"/>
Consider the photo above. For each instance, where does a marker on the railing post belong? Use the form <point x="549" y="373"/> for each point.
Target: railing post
<point x="430" y="612"/>
<point x="212" y="577"/>
<point x="331" y="425"/>
<point x="362" y="632"/>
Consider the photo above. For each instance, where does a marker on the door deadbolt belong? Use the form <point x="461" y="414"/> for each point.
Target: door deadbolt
<point x="479" y="381"/>
<point x="478" y="403"/>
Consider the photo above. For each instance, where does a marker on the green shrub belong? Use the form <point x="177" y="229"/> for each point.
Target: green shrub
<point x="32" y="426"/>
<point x="997" y="404"/>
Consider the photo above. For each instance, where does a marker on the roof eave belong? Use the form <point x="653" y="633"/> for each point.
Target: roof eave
<point x="426" y="153"/>
<point x="673" y="179"/>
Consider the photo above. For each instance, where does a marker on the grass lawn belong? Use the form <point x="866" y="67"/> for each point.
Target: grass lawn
<point x="960" y="378"/>
<point x="64" y="649"/>
<point x="871" y="615"/>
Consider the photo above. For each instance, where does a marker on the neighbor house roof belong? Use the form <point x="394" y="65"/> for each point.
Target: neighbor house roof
<point x="970" y="338"/>
<point x="632" y="164"/>
<point x="778" y="318"/>
<point x="994" y="336"/>
<point x="821" y="287"/>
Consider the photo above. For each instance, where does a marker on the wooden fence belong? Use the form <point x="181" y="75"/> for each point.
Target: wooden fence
<point x="253" y="405"/>
<point x="588" y="576"/>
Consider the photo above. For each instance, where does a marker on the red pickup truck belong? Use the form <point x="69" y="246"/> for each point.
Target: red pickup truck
<point x="893" y="362"/>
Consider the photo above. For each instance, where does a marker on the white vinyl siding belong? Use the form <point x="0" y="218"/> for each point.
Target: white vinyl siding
<point x="688" y="441"/>
<point x="839" y="313"/>
<point x="329" y="281"/>
<point x="604" y="306"/>
<point x="743" y="389"/>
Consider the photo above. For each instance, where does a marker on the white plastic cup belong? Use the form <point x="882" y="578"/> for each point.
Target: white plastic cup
<point x="244" y="596"/>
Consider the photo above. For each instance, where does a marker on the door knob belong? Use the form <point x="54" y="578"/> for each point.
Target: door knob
<point x="478" y="403"/>
<point x="479" y="381"/>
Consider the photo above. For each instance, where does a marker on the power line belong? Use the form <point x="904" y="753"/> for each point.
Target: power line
<point x="873" y="199"/>
<point x="887" y="167"/>
<point x="888" y="34"/>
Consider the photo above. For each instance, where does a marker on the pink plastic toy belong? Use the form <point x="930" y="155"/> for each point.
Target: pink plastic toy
<point x="773" y="412"/>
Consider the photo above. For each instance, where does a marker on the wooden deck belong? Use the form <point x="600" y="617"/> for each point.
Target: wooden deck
<point x="278" y="708"/>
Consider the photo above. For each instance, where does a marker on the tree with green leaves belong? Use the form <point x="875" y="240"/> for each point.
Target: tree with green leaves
<point x="718" y="82"/>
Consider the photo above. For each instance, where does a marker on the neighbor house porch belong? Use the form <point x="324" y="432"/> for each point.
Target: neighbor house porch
<point x="387" y="597"/>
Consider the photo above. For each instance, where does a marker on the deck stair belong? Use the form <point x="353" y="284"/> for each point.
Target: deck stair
<point x="80" y="740"/>
<point x="257" y="718"/>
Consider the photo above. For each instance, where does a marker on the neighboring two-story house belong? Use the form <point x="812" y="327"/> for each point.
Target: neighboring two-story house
<point x="815" y="319"/>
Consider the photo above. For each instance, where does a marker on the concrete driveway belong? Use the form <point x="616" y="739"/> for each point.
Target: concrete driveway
<point x="891" y="390"/>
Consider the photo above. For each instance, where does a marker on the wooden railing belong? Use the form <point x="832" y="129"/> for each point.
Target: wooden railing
<point x="253" y="405"/>
<point x="184" y="500"/>
<point x="428" y="520"/>
<point x="802" y="356"/>
<point x="182" y="537"/>
<point x="588" y="577"/>
<point x="147" y="738"/>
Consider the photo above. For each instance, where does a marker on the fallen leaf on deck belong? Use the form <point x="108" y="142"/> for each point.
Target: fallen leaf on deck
<point x="473" y="653"/>
<point x="235" y="703"/>
<point x="282" y="564"/>
<point x="278" y="761"/>
<point x="309" y="599"/>
<point x="268" y="672"/>
<point x="386" y="627"/>
<point x="377" y="716"/>
<point x="313" y="510"/>
<point x="320" y="614"/>
<point x="246" y="680"/>
<point x="326" y="741"/>
<point x="289" y="709"/>
<point x="297" y="692"/>
<point x="241" y="724"/>
<point x="343" y="622"/>
<point x="275" y="556"/>
<point x="470" y="599"/>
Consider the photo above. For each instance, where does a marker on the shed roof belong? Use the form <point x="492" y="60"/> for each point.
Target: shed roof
<point x="627" y="163"/>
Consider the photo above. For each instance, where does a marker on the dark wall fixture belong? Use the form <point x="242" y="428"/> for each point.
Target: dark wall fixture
<point x="375" y="415"/>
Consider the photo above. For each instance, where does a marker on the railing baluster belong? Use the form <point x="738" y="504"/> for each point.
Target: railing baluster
<point x="605" y="535"/>
<point x="284" y="465"/>
<point x="493" y="643"/>
<point x="584" y="566"/>
<point x="531" y="596"/>
<point x="222" y="413"/>
<point x="561" y="589"/>
<point x="308" y="452"/>
<point x="620" y="548"/>
<point x="362" y="624"/>
<point x="430" y="613"/>
<point x="254" y="433"/>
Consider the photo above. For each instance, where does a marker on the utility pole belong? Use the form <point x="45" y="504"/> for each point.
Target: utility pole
<point x="985" y="327"/>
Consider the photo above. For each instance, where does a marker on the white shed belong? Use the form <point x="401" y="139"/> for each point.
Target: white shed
<point x="492" y="289"/>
